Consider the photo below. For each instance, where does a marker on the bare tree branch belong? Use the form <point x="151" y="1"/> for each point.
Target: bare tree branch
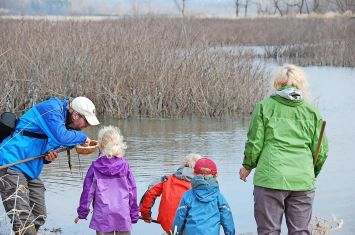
<point x="180" y="4"/>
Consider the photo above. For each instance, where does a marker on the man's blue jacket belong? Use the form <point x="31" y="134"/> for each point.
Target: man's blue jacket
<point x="46" y="118"/>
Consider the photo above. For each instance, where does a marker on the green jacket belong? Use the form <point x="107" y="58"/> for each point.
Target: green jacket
<point x="282" y="140"/>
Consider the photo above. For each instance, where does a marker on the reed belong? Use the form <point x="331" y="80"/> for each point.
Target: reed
<point x="322" y="226"/>
<point x="159" y="66"/>
<point x="14" y="212"/>
<point x="307" y="40"/>
<point x="140" y="66"/>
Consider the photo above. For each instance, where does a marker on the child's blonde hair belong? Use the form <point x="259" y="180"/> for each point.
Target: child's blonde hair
<point x="190" y="159"/>
<point x="111" y="142"/>
<point x="291" y="75"/>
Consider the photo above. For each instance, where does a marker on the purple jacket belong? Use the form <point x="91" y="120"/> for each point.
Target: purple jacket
<point x="110" y="185"/>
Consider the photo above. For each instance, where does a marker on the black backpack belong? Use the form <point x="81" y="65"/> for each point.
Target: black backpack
<point x="8" y="123"/>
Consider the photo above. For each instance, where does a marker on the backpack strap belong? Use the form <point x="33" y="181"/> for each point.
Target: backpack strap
<point x="33" y="134"/>
<point x="8" y="122"/>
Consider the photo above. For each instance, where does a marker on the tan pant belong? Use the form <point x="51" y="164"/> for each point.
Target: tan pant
<point x="29" y="201"/>
<point x="271" y="204"/>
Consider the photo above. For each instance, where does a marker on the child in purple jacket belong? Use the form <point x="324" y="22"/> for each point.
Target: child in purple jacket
<point x="110" y="185"/>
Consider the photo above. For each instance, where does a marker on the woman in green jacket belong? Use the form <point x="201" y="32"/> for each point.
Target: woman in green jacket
<point x="282" y="141"/>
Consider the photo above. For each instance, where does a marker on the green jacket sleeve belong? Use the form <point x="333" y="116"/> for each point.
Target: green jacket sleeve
<point x="255" y="141"/>
<point x="323" y="151"/>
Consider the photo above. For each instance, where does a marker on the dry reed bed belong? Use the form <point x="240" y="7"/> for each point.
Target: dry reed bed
<point x="301" y="40"/>
<point x="129" y="67"/>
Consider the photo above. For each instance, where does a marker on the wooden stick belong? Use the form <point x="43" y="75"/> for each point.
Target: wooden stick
<point x="319" y="143"/>
<point x="62" y="149"/>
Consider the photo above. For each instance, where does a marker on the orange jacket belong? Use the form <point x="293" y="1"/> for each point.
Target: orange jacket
<point x="171" y="189"/>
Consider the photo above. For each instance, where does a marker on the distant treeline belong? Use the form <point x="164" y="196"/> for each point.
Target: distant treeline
<point x="161" y="67"/>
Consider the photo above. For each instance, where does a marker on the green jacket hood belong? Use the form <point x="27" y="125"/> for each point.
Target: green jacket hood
<point x="289" y="96"/>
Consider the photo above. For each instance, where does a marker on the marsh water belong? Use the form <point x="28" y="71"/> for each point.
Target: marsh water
<point x="156" y="146"/>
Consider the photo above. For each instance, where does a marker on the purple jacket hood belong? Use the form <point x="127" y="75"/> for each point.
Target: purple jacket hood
<point x="111" y="166"/>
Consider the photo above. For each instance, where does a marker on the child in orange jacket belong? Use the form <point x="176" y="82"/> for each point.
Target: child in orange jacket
<point x="170" y="188"/>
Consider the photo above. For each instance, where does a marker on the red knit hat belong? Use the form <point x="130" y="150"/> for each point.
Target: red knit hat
<point x="205" y="166"/>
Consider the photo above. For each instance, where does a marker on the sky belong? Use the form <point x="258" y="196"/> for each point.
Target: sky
<point x="193" y="7"/>
<point x="119" y="7"/>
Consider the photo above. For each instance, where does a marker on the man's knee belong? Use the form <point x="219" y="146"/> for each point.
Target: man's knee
<point x="37" y="201"/>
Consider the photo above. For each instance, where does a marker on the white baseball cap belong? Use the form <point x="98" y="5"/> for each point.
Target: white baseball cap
<point x="85" y="107"/>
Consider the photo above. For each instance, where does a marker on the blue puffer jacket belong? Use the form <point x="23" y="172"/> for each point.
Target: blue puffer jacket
<point x="203" y="210"/>
<point x="46" y="118"/>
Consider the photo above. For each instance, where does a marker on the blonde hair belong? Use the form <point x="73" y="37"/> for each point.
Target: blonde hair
<point x="190" y="159"/>
<point x="291" y="75"/>
<point x="111" y="142"/>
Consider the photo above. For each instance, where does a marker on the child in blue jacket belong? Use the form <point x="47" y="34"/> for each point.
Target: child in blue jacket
<point x="203" y="209"/>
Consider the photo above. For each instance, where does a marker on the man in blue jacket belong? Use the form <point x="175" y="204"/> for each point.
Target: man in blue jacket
<point x="43" y="128"/>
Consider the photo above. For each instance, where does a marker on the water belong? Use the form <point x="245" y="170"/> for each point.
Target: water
<point x="156" y="147"/>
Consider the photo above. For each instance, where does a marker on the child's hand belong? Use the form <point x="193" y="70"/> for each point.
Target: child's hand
<point x="76" y="220"/>
<point x="147" y="219"/>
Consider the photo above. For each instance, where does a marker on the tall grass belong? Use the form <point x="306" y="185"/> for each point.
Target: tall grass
<point x="15" y="212"/>
<point x="129" y="67"/>
<point x="320" y="226"/>
<point x="312" y="40"/>
<point x="159" y="66"/>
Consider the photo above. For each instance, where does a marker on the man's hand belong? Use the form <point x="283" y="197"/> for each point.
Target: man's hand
<point x="51" y="156"/>
<point x="243" y="174"/>
<point x="87" y="142"/>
